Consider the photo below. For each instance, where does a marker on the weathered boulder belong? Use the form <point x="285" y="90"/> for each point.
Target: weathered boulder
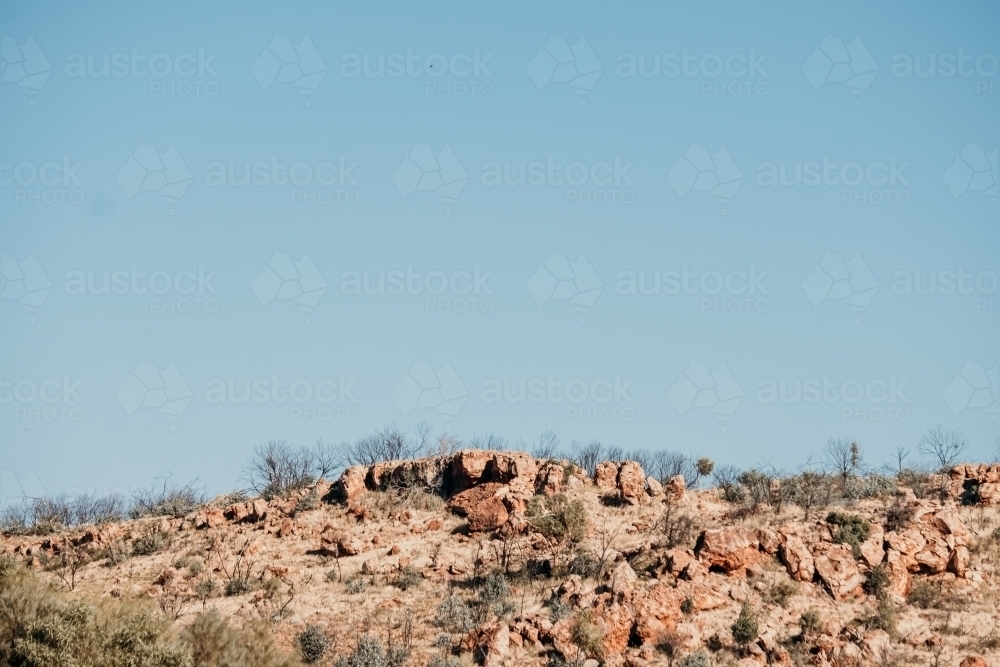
<point x="550" y="479"/>
<point x="351" y="484"/>
<point x="838" y="570"/>
<point x="973" y="661"/>
<point x="489" y="644"/>
<point x="731" y="550"/>
<point x="797" y="558"/>
<point x="335" y="542"/>
<point x="674" y="489"/>
<point x="631" y="483"/>
<point x="653" y="486"/>
<point x="482" y="507"/>
<point x="622" y="580"/>
<point x="606" y="475"/>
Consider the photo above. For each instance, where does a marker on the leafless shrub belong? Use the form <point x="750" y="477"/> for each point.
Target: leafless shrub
<point x="389" y="444"/>
<point x="944" y="447"/>
<point x="726" y="480"/>
<point x="844" y="458"/>
<point x="278" y="467"/>
<point x="810" y="489"/>
<point x="588" y="455"/>
<point x="165" y="499"/>
<point x="327" y="458"/>
<point x="490" y="443"/>
<point x="546" y="446"/>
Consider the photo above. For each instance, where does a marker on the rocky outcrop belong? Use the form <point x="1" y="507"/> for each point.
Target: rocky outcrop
<point x="837" y="569"/>
<point x="674" y="489"/>
<point x="483" y="506"/>
<point x="975" y="484"/>
<point x="730" y="550"/>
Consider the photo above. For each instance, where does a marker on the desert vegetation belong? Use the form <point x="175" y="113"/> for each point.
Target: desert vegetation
<point x="403" y="548"/>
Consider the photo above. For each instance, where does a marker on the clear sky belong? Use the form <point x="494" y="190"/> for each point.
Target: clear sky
<point x="730" y="229"/>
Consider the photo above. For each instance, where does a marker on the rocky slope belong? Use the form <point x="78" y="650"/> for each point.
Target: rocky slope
<point x="502" y="559"/>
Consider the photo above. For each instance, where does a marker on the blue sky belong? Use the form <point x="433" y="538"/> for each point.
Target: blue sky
<point x="666" y="180"/>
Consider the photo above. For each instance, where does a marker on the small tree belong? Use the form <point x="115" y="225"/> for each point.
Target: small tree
<point x="745" y="628"/>
<point x="277" y="467"/>
<point x="844" y="457"/>
<point x="312" y="643"/>
<point x="704" y="466"/>
<point x="945" y="447"/>
<point x="546" y="446"/>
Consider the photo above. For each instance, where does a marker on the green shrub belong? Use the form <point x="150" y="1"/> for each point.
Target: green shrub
<point x="877" y="581"/>
<point x="238" y="586"/>
<point x="312" y="643"/>
<point x="558" y="610"/>
<point x="587" y="635"/>
<point x="810" y="622"/>
<point x="924" y="594"/>
<point x="206" y="588"/>
<point x="309" y="501"/>
<point x="492" y="597"/>
<point x="697" y="659"/>
<point x="445" y="661"/>
<point x="214" y="643"/>
<point x="687" y="606"/>
<point x="781" y="592"/>
<point x="745" y="628"/>
<point x="899" y="516"/>
<point x="851" y="530"/>
<point x="557" y="516"/>
<point x="355" y="585"/>
<point x="409" y="577"/>
<point x="150" y="543"/>
<point x="884" y="617"/>
<point x="585" y="564"/>
<point x="454" y="615"/>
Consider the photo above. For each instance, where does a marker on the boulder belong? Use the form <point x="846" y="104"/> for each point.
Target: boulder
<point x="674" y="489"/>
<point x="335" y="542"/>
<point x="550" y="479"/>
<point x="351" y="484"/>
<point x="731" y="550"/>
<point x="797" y="558"/>
<point x="631" y="483"/>
<point x="973" y="661"/>
<point x="606" y="475"/>
<point x="872" y="549"/>
<point x="622" y="580"/>
<point x="482" y="507"/>
<point x="838" y="570"/>
<point x="653" y="486"/>
<point x="489" y="644"/>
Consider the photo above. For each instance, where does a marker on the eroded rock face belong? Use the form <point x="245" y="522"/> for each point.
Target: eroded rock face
<point x="482" y="506"/>
<point x="674" y="489"/>
<point x="731" y="550"/>
<point x="797" y="558"/>
<point x="838" y="570"/>
<point x="631" y="483"/>
<point x="351" y="484"/>
<point x="606" y="475"/>
<point x="975" y="483"/>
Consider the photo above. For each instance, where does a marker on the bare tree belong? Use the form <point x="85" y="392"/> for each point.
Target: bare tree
<point x="901" y="454"/>
<point x="277" y="467"/>
<point x="945" y="447"/>
<point x="727" y="480"/>
<point x="389" y="444"/>
<point x="327" y="458"/>
<point x="588" y="456"/>
<point x="844" y="457"/>
<point x="546" y="446"/>
<point x="489" y="443"/>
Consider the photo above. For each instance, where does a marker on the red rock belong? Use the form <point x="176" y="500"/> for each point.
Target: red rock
<point x="287" y="527"/>
<point x="550" y="479"/>
<point x="351" y="484"/>
<point x="606" y="475"/>
<point x="838" y="570"/>
<point x="632" y="483"/>
<point x="729" y="549"/>
<point x="674" y="489"/>
<point x="973" y="661"/>
<point x="797" y="559"/>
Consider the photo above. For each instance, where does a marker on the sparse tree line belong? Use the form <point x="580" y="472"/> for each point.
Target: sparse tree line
<point x="277" y="467"/>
